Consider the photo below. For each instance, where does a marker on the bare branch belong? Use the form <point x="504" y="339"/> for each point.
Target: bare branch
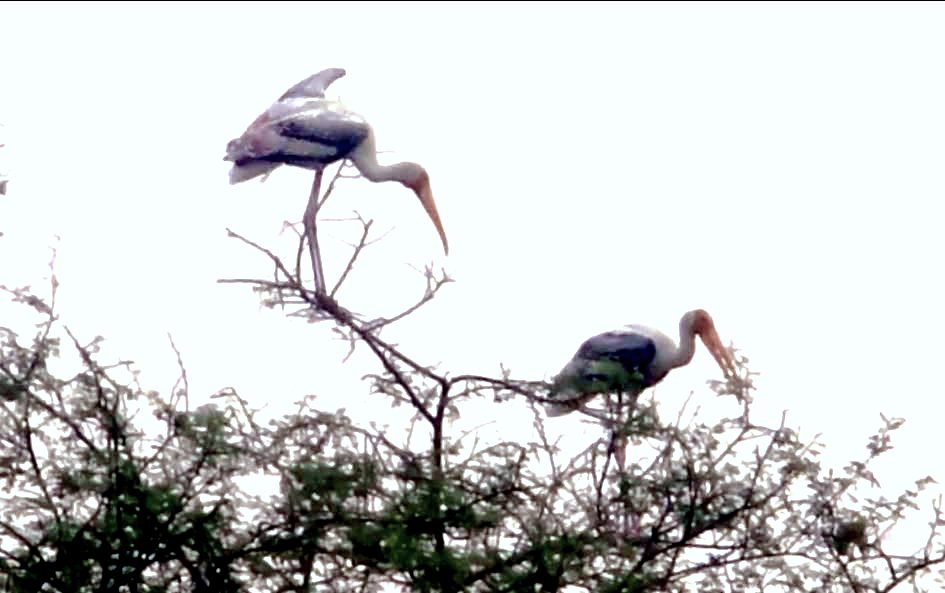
<point x="354" y="256"/>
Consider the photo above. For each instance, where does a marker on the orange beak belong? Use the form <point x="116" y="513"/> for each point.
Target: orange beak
<point x="425" y="193"/>
<point x="721" y="354"/>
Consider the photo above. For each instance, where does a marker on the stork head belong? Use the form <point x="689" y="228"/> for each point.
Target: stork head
<point x="417" y="179"/>
<point x="703" y="326"/>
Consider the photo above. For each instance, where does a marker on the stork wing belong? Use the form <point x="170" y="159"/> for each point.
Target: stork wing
<point x="315" y="85"/>
<point x="320" y="132"/>
<point x="340" y="131"/>
<point x="632" y="351"/>
<point x="611" y="361"/>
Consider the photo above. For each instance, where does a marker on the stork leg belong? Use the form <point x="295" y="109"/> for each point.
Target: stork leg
<point x="620" y="451"/>
<point x="631" y="524"/>
<point x="309" y="223"/>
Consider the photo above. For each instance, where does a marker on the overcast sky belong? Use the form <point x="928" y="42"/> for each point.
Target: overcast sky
<point x="778" y="164"/>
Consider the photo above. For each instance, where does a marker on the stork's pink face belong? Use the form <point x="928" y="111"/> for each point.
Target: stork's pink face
<point x="421" y="186"/>
<point x="704" y="327"/>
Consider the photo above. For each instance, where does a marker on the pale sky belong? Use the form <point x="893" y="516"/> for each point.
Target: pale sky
<point x="778" y="164"/>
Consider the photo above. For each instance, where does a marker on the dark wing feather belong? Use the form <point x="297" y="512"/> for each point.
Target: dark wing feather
<point x="328" y="128"/>
<point x="609" y="361"/>
<point x="633" y="351"/>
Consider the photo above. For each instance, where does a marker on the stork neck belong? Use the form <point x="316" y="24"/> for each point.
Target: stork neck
<point x="687" y="345"/>
<point x="365" y="159"/>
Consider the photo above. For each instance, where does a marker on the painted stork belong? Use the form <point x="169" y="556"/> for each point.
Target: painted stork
<point x="304" y="129"/>
<point x="632" y="359"/>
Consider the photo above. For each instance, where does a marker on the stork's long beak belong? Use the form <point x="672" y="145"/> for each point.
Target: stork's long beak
<point x="425" y="193"/>
<point x="719" y="352"/>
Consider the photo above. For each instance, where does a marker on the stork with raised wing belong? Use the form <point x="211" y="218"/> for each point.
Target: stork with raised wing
<point x="304" y="129"/>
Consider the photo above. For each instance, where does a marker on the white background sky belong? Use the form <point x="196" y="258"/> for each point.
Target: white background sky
<point x="778" y="164"/>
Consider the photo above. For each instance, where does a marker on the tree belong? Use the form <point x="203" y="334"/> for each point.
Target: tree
<point x="101" y="500"/>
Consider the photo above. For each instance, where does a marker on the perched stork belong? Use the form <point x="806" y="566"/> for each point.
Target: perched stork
<point x="304" y="129"/>
<point x="632" y="359"/>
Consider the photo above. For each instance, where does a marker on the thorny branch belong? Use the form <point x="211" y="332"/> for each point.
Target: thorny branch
<point x="354" y="256"/>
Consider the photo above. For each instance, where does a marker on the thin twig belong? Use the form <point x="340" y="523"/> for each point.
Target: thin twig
<point x="354" y="256"/>
<point x="433" y="286"/>
<point x="334" y="179"/>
